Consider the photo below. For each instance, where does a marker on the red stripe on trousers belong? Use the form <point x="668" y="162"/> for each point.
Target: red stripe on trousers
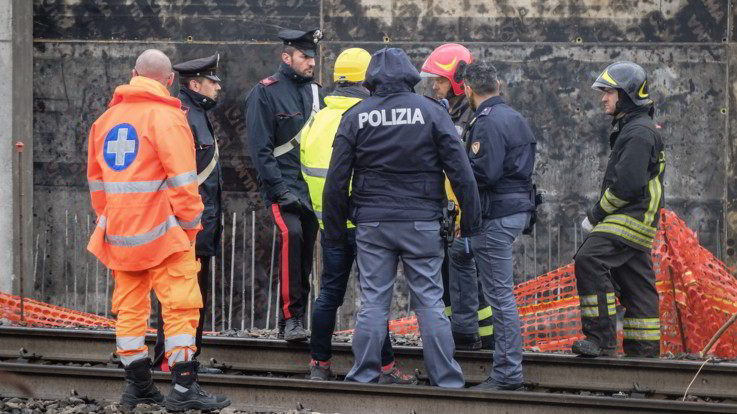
<point x="284" y="259"/>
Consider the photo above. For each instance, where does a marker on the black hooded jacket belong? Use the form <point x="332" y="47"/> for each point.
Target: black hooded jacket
<point x="395" y="145"/>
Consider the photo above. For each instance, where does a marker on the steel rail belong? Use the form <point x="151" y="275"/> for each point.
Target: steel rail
<point x="272" y="394"/>
<point x="541" y="370"/>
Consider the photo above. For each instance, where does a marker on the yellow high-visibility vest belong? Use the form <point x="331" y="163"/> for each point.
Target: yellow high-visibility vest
<point x="316" y="147"/>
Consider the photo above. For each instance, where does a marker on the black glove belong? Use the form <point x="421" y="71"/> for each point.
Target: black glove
<point x="289" y="202"/>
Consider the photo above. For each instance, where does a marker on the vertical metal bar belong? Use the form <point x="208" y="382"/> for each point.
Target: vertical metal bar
<point x="243" y="273"/>
<point x="21" y="229"/>
<point x="719" y="242"/>
<point x="87" y="270"/>
<point x="97" y="287"/>
<point x="74" y="260"/>
<point x="534" y="250"/>
<point x="232" y="272"/>
<point x="558" y="263"/>
<point x="43" y="265"/>
<point x="409" y="293"/>
<point x="107" y="290"/>
<point x="308" y="316"/>
<point x="222" y="272"/>
<point x="35" y="261"/>
<point x="575" y="237"/>
<point x="253" y="267"/>
<point x="550" y="247"/>
<point x="271" y="277"/>
<point x="278" y="297"/>
<point x="524" y="261"/>
<point x="212" y="278"/>
<point x="64" y="257"/>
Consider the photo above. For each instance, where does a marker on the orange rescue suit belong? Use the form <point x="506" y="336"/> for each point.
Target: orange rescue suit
<point x="142" y="175"/>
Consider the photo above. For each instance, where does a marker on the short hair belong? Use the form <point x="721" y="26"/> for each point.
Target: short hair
<point x="344" y="84"/>
<point x="184" y="80"/>
<point x="482" y="77"/>
<point x="289" y="50"/>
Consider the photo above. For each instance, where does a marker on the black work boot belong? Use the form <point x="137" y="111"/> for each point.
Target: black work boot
<point x="141" y="388"/>
<point x="186" y="393"/>
<point x="294" y="331"/>
<point x="467" y="342"/>
<point x="589" y="348"/>
<point x="487" y="342"/>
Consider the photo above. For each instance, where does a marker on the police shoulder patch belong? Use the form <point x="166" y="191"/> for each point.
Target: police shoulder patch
<point x="121" y="147"/>
<point x="475" y="147"/>
<point x="269" y="81"/>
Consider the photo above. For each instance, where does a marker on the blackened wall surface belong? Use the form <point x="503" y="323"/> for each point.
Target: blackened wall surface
<point x="548" y="53"/>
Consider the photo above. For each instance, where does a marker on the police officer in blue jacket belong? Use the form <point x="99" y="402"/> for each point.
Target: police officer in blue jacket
<point x="395" y="146"/>
<point x="501" y="148"/>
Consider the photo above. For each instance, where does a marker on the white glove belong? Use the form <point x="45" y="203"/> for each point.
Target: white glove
<point x="586" y="226"/>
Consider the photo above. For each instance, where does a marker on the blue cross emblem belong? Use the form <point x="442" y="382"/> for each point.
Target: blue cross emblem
<point x="121" y="147"/>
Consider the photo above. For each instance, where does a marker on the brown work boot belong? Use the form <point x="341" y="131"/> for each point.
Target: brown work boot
<point x="390" y="374"/>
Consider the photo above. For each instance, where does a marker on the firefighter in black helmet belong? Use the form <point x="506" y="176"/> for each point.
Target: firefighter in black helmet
<point x="615" y="258"/>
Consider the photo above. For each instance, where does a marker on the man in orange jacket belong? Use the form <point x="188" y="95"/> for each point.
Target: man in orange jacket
<point x="143" y="184"/>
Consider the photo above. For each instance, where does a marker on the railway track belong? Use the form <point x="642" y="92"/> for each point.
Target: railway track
<point x="643" y="385"/>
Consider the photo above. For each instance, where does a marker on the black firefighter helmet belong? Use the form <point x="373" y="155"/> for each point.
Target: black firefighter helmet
<point x="627" y="77"/>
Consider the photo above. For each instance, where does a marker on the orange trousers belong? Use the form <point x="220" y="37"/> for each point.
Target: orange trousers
<point x="175" y="284"/>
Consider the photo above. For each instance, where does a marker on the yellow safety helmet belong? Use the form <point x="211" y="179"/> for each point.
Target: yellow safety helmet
<point x="351" y="65"/>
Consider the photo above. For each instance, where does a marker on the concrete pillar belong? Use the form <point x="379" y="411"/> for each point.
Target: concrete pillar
<point x="16" y="124"/>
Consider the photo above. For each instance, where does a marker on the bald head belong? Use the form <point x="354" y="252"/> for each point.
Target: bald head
<point x="154" y="64"/>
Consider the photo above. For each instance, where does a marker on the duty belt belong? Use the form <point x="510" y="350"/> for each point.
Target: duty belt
<point x="294" y="142"/>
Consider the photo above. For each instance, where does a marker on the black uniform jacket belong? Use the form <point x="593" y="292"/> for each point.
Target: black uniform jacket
<point x="501" y="147"/>
<point x="396" y="145"/>
<point x="196" y="107"/>
<point x="276" y="110"/>
<point x="632" y="191"/>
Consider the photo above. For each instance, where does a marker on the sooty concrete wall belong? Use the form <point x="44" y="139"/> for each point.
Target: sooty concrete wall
<point x="548" y="53"/>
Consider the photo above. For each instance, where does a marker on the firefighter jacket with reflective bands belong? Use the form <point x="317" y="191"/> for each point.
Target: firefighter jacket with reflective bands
<point x="316" y="146"/>
<point x="632" y="191"/>
<point x="143" y="179"/>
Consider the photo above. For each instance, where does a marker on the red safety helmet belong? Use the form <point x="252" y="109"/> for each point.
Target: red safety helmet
<point x="445" y="61"/>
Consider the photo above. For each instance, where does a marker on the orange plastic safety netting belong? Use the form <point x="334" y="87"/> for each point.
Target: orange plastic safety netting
<point x="42" y="314"/>
<point x="697" y="295"/>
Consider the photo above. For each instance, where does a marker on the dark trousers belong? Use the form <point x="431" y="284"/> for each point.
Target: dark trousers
<point x="459" y="266"/>
<point x="203" y="279"/>
<point x="605" y="268"/>
<point x="337" y="261"/>
<point x="298" y="233"/>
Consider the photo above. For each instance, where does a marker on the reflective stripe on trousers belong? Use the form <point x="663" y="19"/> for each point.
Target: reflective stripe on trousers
<point x="131" y="348"/>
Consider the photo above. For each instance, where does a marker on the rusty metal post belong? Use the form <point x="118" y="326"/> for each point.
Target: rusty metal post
<point x="19" y="149"/>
